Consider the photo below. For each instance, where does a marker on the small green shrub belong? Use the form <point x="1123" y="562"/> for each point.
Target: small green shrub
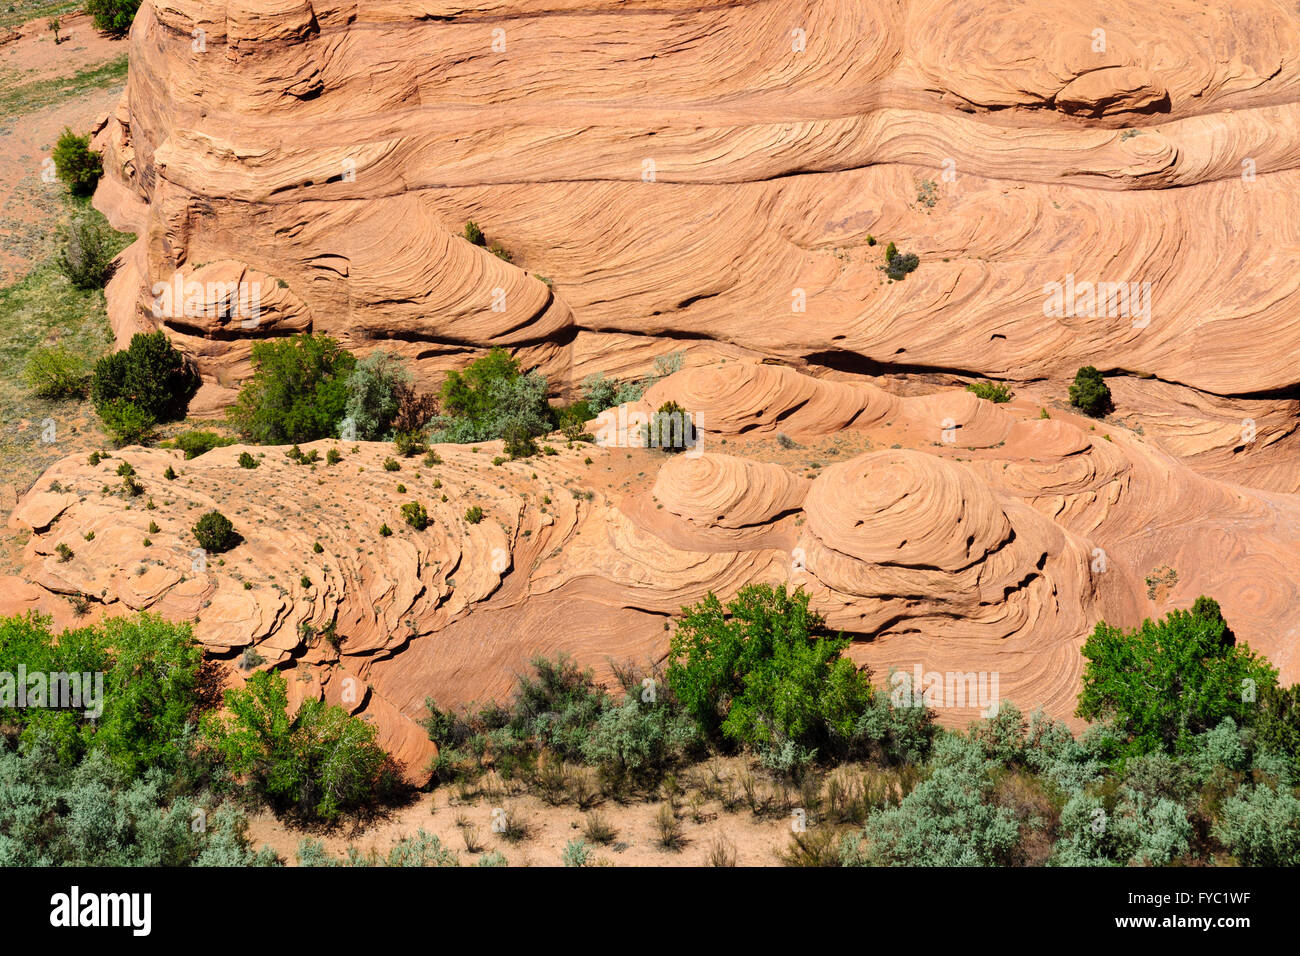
<point x="1090" y="394"/>
<point x="246" y="460"/>
<point x="75" y="163"/>
<point x="384" y="530"/>
<point x="577" y="853"/>
<point x="415" y="515"/>
<point x="899" y="265"/>
<point x="991" y="391"/>
<point x="195" y="443"/>
<point x="392" y="464"/>
<point x="126" y="423"/>
<point x="474" y="514"/>
<point x="86" y="257"/>
<point x="670" y="429"/>
<point x="55" y="372"/>
<point x="474" y="234"/>
<point x="215" y="533"/>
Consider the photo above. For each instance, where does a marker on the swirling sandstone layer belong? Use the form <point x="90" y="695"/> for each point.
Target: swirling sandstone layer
<point x="722" y="180"/>
<point x="929" y="548"/>
<point x="711" y="176"/>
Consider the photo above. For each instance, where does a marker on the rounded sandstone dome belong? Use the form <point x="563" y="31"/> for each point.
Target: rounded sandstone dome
<point x="906" y="508"/>
<point x="735" y="398"/>
<point x="723" y="491"/>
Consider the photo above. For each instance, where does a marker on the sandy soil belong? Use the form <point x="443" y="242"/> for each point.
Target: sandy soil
<point x="756" y="841"/>
<point x="29" y="207"/>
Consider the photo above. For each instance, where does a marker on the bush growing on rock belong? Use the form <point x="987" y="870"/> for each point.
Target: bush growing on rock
<point x="298" y="391"/>
<point x="670" y="429"/>
<point x="415" y="515"/>
<point x="127" y="424"/>
<point x="414" y="412"/>
<point x="898" y="265"/>
<point x="492" y="399"/>
<point x="991" y="391"/>
<point x="1089" y="393"/>
<point x="215" y="533"/>
<point x="600" y="393"/>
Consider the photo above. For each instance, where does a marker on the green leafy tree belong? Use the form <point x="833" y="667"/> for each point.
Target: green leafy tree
<point x="112" y="16"/>
<point x="150" y="669"/>
<point x="763" y="671"/>
<point x="1167" y="681"/>
<point x="149" y="374"/>
<point x="298" y="391"/>
<point x="151" y="692"/>
<point x="316" y="762"/>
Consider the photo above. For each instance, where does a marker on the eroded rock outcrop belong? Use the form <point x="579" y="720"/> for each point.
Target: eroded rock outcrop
<point x="340" y="147"/>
